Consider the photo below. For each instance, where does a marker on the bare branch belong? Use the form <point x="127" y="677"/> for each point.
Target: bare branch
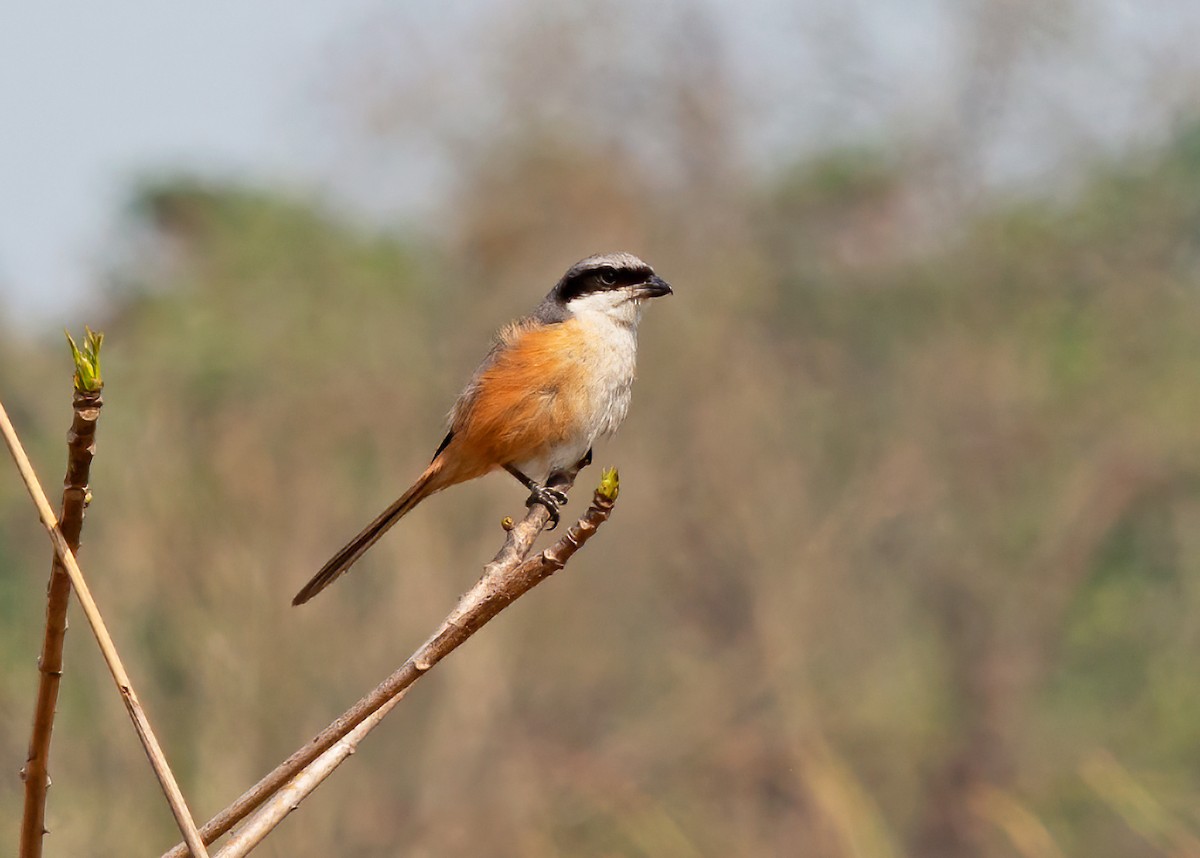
<point x="505" y="579"/>
<point x="141" y="724"/>
<point x="81" y="445"/>
<point x="490" y="595"/>
<point x="288" y="797"/>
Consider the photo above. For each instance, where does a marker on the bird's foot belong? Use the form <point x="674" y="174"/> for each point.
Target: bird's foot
<point x="551" y="499"/>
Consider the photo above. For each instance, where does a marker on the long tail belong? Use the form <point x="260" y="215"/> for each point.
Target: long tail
<point x="428" y="483"/>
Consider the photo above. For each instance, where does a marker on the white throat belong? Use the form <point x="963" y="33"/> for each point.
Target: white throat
<point x="617" y="306"/>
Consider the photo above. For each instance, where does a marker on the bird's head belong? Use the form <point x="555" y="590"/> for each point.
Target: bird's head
<point x="615" y="284"/>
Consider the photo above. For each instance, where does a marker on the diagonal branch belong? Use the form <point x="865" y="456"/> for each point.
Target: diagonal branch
<point x="288" y="797"/>
<point x="485" y="600"/>
<point x="141" y="724"/>
<point x="505" y="579"/>
<point x="81" y="445"/>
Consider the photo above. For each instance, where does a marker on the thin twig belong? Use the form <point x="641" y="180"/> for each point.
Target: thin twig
<point x="81" y="446"/>
<point x="489" y="596"/>
<point x="503" y="580"/>
<point x="141" y="724"/>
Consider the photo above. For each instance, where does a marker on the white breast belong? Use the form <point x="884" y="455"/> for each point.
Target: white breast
<point x="608" y="358"/>
<point x="611" y="320"/>
<point x="611" y="366"/>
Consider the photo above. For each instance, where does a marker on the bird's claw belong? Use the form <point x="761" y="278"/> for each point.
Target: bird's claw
<point x="551" y="499"/>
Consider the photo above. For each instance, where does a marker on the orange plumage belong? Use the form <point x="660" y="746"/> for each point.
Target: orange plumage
<point x="525" y="400"/>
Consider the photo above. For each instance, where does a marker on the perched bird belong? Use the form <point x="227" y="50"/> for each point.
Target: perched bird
<point x="553" y="383"/>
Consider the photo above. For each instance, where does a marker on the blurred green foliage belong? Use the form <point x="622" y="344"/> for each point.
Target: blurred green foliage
<point x="903" y="563"/>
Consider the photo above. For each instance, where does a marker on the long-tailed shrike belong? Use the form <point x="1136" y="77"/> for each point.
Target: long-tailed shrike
<point x="553" y="383"/>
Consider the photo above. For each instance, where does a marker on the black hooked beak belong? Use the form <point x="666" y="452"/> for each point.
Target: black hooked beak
<point x="655" y="287"/>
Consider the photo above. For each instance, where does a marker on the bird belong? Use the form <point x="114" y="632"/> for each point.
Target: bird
<point x="553" y="382"/>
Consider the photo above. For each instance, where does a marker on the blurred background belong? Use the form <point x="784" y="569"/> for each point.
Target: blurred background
<point x="905" y="559"/>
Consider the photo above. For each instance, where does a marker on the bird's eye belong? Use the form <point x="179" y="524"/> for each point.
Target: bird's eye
<point x="608" y="276"/>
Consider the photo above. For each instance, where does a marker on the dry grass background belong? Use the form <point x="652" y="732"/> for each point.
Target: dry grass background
<point x="904" y="562"/>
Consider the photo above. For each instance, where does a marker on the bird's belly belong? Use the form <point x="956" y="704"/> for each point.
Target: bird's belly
<point x="543" y="400"/>
<point x="608" y="401"/>
<point x="599" y="408"/>
<point x="596" y="395"/>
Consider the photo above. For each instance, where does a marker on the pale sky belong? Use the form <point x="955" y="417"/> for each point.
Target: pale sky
<point x="95" y="95"/>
